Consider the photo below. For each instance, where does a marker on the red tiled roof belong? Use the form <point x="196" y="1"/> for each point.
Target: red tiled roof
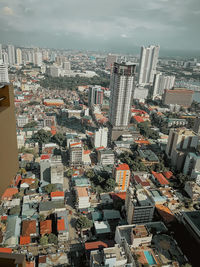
<point x="95" y="245"/>
<point x="30" y="264"/>
<point x="4" y="218"/>
<point x="25" y="240"/>
<point x="168" y="174"/>
<point x="100" y="148"/>
<point x="165" y="213"/>
<point x="143" y="183"/>
<point x="160" y="178"/>
<point x="138" y="119"/>
<point x="44" y="157"/>
<point x="142" y="141"/>
<point x="42" y="259"/>
<point x="121" y="195"/>
<point x="28" y="227"/>
<point x="85" y="152"/>
<point x="45" y="227"/>
<point x="57" y="194"/>
<point x="123" y="167"/>
<point x="61" y="225"/>
<point x="138" y="111"/>
<point x="28" y="181"/>
<point x="5" y="250"/>
<point x="9" y="192"/>
<point x="75" y="144"/>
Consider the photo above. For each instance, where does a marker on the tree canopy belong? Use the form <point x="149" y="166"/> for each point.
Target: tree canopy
<point x="83" y="222"/>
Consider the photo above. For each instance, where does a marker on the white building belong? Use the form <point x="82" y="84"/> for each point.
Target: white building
<point x="5" y="58"/>
<point x="101" y="137"/>
<point x="38" y="59"/>
<point x="82" y="197"/>
<point x="148" y="63"/>
<point x="192" y="163"/>
<point x="22" y="120"/>
<point x="140" y="93"/>
<point x="19" y="56"/>
<point x="3" y="73"/>
<point x="121" y="85"/>
<point x="11" y="55"/>
<point x="162" y="82"/>
<point x="106" y="157"/>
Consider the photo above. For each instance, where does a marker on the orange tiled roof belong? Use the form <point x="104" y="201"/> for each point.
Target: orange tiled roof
<point x="95" y="245"/>
<point x="61" y="225"/>
<point x="45" y="227"/>
<point x="160" y="178"/>
<point x="28" y="181"/>
<point x="25" y="240"/>
<point x="168" y="174"/>
<point x="28" y="227"/>
<point x="5" y="250"/>
<point x="57" y="194"/>
<point x="9" y="192"/>
<point x="138" y="119"/>
<point x="123" y="167"/>
<point x="82" y="191"/>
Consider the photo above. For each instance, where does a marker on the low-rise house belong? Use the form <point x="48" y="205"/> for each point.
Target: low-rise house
<point x="45" y="227"/>
<point x="49" y="207"/>
<point x="57" y="195"/>
<point x="110" y="257"/>
<point x="165" y="213"/>
<point x="62" y="226"/>
<point x="159" y="179"/>
<point x="102" y="228"/>
<point x="9" y="193"/>
<point x="29" y="228"/>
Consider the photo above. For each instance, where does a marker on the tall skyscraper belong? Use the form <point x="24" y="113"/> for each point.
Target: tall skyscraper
<point x="5" y="58"/>
<point x="121" y="85"/>
<point x="95" y="95"/>
<point x="101" y="137"/>
<point x="3" y="73"/>
<point x="148" y="63"/>
<point x="111" y="59"/>
<point x="18" y="56"/>
<point x="162" y="82"/>
<point x="38" y="59"/>
<point x="11" y="55"/>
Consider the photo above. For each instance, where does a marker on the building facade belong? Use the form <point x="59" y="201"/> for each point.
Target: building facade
<point x="122" y="176"/>
<point x="148" y="63"/>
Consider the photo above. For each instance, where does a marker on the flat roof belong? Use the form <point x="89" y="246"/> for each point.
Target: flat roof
<point x="193" y="216"/>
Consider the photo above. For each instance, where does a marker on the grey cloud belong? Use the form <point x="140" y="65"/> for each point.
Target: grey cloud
<point x="101" y="24"/>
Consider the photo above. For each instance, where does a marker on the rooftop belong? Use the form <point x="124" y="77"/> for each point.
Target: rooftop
<point x="28" y="228"/>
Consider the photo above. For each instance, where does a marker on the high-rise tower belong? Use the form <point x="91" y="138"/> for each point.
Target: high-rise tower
<point x="11" y="55"/>
<point x="121" y="86"/>
<point x="148" y="63"/>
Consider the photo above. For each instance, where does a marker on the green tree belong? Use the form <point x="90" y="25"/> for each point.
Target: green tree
<point x="110" y="185"/>
<point x="59" y="139"/>
<point x="50" y="188"/>
<point x="44" y="240"/>
<point x="52" y="239"/>
<point x="42" y="137"/>
<point x="31" y="124"/>
<point x="90" y="174"/>
<point x="83" y="222"/>
<point x="69" y="173"/>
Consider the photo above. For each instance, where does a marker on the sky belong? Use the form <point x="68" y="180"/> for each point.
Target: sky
<point x="115" y="25"/>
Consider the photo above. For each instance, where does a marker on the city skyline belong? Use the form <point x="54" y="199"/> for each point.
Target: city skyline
<point x="119" y="27"/>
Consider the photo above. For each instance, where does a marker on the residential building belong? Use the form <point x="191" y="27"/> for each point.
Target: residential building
<point x="191" y="220"/>
<point x="1" y="55"/>
<point x="182" y="139"/>
<point x="138" y="235"/>
<point x="106" y="157"/>
<point x="58" y="195"/>
<point x="38" y="59"/>
<point x="192" y="163"/>
<point x="13" y="226"/>
<point x="57" y="172"/>
<point x="8" y="140"/>
<point x="22" y="120"/>
<point x="3" y="73"/>
<point x="148" y="63"/>
<point x="122" y="176"/>
<point x="62" y="226"/>
<point x="19" y="56"/>
<point x="138" y="205"/>
<point x="162" y="82"/>
<point x="121" y="86"/>
<point x="95" y="95"/>
<point x="101" y="137"/>
<point x="193" y="190"/>
<point x="76" y="153"/>
<point x="111" y="59"/>
<point x="83" y="200"/>
<point x="108" y="257"/>
<point x="67" y="66"/>
<point x="196" y="127"/>
<point x="45" y="227"/>
<point x="178" y="96"/>
<point x="11" y="55"/>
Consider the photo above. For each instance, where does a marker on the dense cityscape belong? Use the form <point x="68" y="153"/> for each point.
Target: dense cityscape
<point x="100" y="162"/>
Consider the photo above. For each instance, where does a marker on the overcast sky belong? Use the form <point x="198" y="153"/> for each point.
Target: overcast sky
<point x="101" y="24"/>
